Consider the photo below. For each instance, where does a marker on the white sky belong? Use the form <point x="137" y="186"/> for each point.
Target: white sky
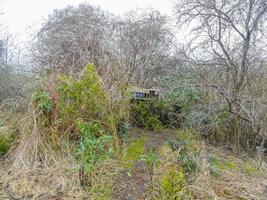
<point x="19" y="15"/>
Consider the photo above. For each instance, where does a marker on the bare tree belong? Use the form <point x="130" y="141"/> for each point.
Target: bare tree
<point x="73" y="37"/>
<point x="13" y="79"/>
<point x="139" y="43"/>
<point x="144" y="45"/>
<point x="229" y="50"/>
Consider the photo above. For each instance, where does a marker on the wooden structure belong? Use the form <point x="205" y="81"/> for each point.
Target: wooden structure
<point x="144" y="94"/>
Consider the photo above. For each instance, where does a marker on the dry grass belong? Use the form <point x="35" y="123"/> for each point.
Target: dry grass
<point x="234" y="181"/>
<point x="34" y="169"/>
<point x="41" y="165"/>
<point x="238" y="177"/>
<point x="58" y="181"/>
<point x="40" y="183"/>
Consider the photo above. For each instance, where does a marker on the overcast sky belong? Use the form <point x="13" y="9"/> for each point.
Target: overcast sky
<point x="19" y="15"/>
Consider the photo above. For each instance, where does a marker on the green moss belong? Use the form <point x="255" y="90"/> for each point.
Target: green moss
<point x="107" y="193"/>
<point x="134" y="151"/>
<point x="229" y="165"/>
<point x="250" y="170"/>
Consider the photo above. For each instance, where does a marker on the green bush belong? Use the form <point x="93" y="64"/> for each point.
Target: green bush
<point x="147" y="114"/>
<point x="184" y="98"/>
<point x="185" y="141"/>
<point x="177" y="144"/>
<point x="174" y="186"/>
<point x="93" y="148"/>
<point x="85" y="98"/>
<point x="185" y="144"/>
<point x="42" y="101"/>
<point x="43" y="106"/>
<point x="188" y="162"/>
<point x="124" y="129"/>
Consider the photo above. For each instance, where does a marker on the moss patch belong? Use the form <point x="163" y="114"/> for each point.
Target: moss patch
<point x="250" y="170"/>
<point x="135" y="149"/>
<point x="229" y="165"/>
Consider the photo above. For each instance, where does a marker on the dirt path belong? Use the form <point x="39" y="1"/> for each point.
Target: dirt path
<point x="131" y="185"/>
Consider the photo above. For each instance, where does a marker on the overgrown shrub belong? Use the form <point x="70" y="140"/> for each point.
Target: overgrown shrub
<point x="184" y="97"/>
<point x="43" y="106"/>
<point x="188" y="162"/>
<point x="94" y="147"/>
<point x="202" y="110"/>
<point x="185" y="141"/>
<point x="42" y="101"/>
<point x="68" y="99"/>
<point x="84" y="98"/>
<point x="151" y="115"/>
<point x="185" y="145"/>
<point x="88" y="99"/>
<point x="210" y="120"/>
<point x="174" y="185"/>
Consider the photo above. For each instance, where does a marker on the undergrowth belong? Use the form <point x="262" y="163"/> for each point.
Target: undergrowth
<point x="151" y="160"/>
<point x="174" y="185"/>
<point x="92" y="150"/>
<point x="134" y="151"/>
<point x="74" y="121"/>
<point x="7" y="137"/>
<point x="144" y="115"/>
<point x="77" y="127"/>
<point x="153" y="114"/>
<point x="5" y="145"/>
